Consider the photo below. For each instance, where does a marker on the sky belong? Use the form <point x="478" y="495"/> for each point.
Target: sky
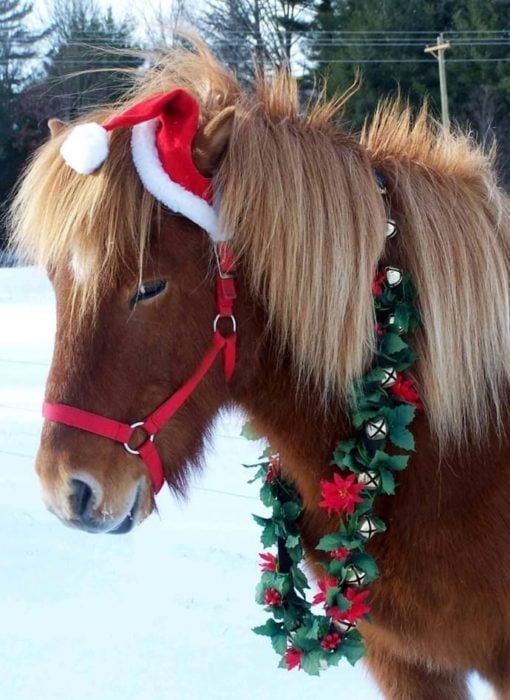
<point x="144" y="14"/>
<point x="137" y="8"/>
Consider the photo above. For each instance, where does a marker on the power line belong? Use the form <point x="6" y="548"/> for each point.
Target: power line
<point x="312" y="61"/>
<point x="219" y="492"/>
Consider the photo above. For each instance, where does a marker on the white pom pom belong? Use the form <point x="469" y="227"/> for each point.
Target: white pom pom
<point x="85" y="148"/>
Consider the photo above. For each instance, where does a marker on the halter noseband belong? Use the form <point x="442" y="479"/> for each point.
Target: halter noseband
<point x="152" y="424"/>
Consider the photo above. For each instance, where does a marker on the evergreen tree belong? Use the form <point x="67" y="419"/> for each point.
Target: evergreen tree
<point x="254" y="33"/>
<point x="360" y="40"/>
<point x="384" y="42"/>
<point x="87" y="64"/>
<point x="17" y="47"/>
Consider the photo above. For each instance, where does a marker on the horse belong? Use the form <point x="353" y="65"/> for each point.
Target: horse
<point x="296" y="193"/>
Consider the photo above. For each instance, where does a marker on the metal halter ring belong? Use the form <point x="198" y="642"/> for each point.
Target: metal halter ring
<point x="232" y="318"/>
<point x="129" y="449"/>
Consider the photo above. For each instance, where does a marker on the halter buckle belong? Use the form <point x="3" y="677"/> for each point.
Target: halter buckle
<point x="138" y="424"/>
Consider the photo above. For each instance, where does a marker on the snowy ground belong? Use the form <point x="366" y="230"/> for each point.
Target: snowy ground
<point x="164" y="612"/>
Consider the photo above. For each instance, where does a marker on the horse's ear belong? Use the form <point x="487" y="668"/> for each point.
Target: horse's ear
<point x="211" y="141"/>
<point x="56" y="126"/>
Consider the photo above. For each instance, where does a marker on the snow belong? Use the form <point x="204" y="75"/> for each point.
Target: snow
<point x="164" y="612"/>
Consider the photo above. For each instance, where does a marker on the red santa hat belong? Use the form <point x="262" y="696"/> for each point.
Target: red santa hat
<point x="162" y="132"/>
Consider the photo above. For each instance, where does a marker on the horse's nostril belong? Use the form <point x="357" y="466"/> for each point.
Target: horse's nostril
<point x="81" y="497"/>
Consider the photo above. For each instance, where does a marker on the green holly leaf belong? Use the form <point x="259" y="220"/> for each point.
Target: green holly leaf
<point x="379" y="524"/>
<point x="279" y="642"/>
<point x="291" y="511"/>
<point x="379" y="460"/>
<point x="365" y="562"/>
<point x="402" y="437"/>
<point x="406" y="317"/>
<point x="375" y="376"/>
<point x="293" y="541"/>
<point x="300" y="580"/>
<point x="401" y="415"/>
<point x="346" y="446"/>
<point x="353" y="648"/>
<point x="344" y="460"/>
<point x="302" y="639"/>
<point x="260" y="474"/>
<point x="268" y="579"/>
<point x="392" y="343"/>
<point x="330" y="542"/>
<point x="365" y="506"/>
<point x="314" y="630"/>
<point x="269" y="629"/>
<point x="397" y="462"/>
<point x="311" y="662"/>
<point x="259" y="593"/>
<point x="336" y="568"/>
<point x="332" y="594"/>
<point x="387" y="482"/>
<point x="281" y="582"/>
<point x="268" y="536"/>
<point x="266" y="495"/>
<point x="342" y="603"/>
<point x="361" y="416"/>
<point x="291" y="616"/>
<point x="334" y="657"/>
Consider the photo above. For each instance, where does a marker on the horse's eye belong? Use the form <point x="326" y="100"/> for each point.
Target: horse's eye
<point x="148" y="290"/>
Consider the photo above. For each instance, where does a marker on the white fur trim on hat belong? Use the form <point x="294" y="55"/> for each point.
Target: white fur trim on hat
<point x="85" y="148"/>
<point x="157" y="181"/>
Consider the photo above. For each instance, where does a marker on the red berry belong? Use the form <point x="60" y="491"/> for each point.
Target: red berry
<point x="341" y="553"/>
<point x="272" y="597"/>
<point x="331" y="641"/>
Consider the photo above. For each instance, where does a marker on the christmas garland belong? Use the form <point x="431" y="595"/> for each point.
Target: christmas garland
<point x="383" y="405"/>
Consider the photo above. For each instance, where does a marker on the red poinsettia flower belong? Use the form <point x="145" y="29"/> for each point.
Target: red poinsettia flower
<point x="269" y="562"/>
<point x="274" y="466"/>
<point x="357" y="609"/>
<point x="404" y="390"/>
<point x="377" y="287"/>
<point x="293" y="658"/>
<point x="272" y="597"/>
<point x="331" y="641"/>
<point x="341" y="553"/>
<point x="324" y="585"/>
<point x="341" y="495"/>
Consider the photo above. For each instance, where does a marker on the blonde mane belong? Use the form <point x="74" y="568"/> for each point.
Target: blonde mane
<point x="298" y="196"/>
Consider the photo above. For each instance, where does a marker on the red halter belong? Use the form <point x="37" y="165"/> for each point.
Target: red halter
<point x="123" y="432"/>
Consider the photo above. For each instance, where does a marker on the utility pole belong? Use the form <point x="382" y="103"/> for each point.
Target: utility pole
<point x="438" y="52"/>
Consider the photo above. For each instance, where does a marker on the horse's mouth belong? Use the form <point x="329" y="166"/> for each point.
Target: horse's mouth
<point x="130" y="520"/>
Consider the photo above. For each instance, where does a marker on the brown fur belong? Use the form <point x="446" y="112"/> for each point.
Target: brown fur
<point x="308" y="225"/>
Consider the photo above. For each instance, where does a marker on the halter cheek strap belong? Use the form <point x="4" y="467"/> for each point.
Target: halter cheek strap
<point x="152" y="424"/>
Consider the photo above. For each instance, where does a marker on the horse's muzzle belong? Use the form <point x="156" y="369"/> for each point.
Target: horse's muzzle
<point x="88" y="512"/>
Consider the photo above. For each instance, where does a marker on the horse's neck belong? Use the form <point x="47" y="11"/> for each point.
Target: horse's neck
<point x="432" y="488"/>
<point x="295" y="424"/>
